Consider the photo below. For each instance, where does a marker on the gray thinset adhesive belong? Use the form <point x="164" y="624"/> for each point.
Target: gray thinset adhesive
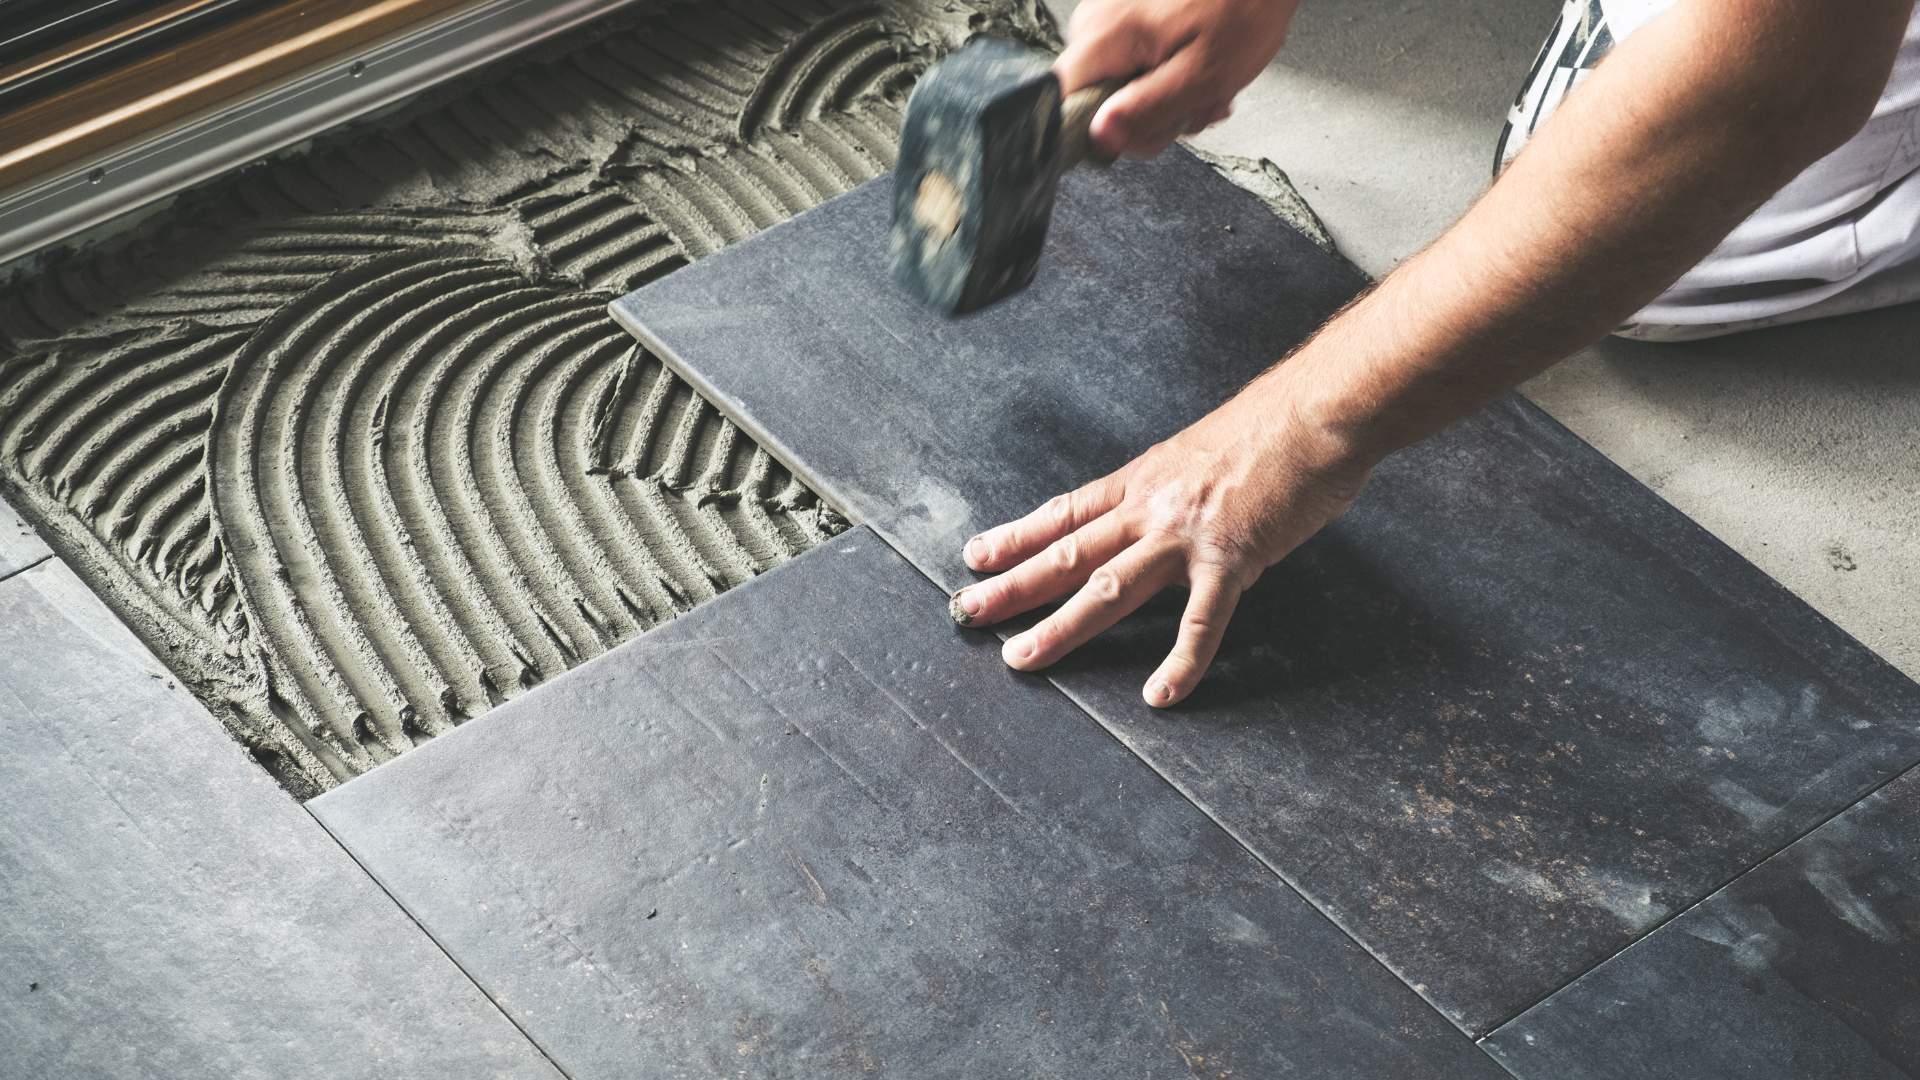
<point x="348" y="438"/>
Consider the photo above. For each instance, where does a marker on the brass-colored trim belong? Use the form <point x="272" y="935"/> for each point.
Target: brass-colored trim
<point x="195" y="75"/>
<point x="107" y="36"/>
<point x="95" y="190"/>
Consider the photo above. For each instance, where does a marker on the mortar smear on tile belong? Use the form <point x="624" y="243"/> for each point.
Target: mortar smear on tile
<point x="349" y="438"/>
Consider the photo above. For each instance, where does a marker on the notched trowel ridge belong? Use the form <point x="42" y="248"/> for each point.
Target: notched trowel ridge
<point x="348" y="437"/>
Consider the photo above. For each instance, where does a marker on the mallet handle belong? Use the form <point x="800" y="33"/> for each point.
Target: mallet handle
<point x="1076" y="116"/>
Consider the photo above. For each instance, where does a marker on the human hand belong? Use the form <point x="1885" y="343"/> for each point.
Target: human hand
<point x="1191" y="57"/>
<point x="1210" y="508"/>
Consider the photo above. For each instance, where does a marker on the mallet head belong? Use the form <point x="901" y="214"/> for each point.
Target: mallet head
<point x="974" y="187"/>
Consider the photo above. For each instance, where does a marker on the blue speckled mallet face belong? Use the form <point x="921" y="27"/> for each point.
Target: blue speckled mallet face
<point x="973" y="190"/>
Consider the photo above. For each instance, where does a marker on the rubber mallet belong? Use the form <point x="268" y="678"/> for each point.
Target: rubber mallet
<point x="986" y="139"/>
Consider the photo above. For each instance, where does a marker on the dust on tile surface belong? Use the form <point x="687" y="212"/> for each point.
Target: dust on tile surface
<point x="349" y="440"/>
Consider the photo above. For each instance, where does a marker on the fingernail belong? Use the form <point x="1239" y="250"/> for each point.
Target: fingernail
<point x="963" y="607"/>
<point x="1018" y="649"/>
<point x="1160" y="692"/>
<point x="976" y="551"/>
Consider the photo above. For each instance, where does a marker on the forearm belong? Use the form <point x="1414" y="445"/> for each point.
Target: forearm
<point x="1693" y="123"/>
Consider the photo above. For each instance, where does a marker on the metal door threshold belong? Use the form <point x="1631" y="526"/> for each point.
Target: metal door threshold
<point x="89" y="193"/>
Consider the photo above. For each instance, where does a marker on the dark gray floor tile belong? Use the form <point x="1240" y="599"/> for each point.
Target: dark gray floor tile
<point x="20" y="546"/>
<point x="813" y="829"/>
<point x="167" y="911"/>
<point x="1501" y="720"/>
<point x="1805" y="968"/>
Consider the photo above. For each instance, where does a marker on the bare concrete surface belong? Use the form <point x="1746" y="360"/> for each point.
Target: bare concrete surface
<point x="1383" y="113"/>
<point x="1796" y="446"/>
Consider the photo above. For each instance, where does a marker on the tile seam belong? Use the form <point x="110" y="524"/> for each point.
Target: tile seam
<point x="1231" y="834"/>
<point x="441" y="948"/>
<point x="18" y="570"/>
<point x="1731" y="880"/>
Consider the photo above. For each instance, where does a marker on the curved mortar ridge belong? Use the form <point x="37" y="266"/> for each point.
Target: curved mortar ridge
<point x="348" y="438"/>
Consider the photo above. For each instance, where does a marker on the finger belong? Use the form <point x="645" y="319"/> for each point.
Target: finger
<point x="1057" y="570"/>
<point x="1208" y="118"/>
<point x="1155" y="107"/>
<point x="1111" y="593"/>
<point x="1149" y="148"/>
<point x="1103" y="46"/>
<point x="1007" y="545"/>
<point x="1202" y="625"/>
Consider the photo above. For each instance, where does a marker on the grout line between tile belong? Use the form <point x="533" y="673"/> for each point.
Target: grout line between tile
<point x="18" y="570"/>
<point x="1272" y="868"/>
<point x="1497" y="1063"/>
<point x="745" y="421"/>
<point x="1494" y="1029"/>
<point x="458" y="966"/>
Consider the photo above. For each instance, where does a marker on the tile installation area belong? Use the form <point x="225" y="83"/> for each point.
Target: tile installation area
<point x="474" y="602"/>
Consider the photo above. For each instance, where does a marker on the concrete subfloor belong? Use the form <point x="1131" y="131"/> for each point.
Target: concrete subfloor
<point x="1799" y="447"/>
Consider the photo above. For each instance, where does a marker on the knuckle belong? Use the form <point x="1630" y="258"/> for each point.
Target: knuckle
<point x="1065" y="554"/>
<point x="1137" y="29"/>
<point x="1000" y="589"/>
<point x="1195" y="628"/>
<point x="1104" y="585"/>
<point x="1223" y="553"/>
<point x="990" y="545"/>
<point x="1160" y="534"/>
<point x="1059" y="509"/>
<point x="1086" y="502"/>
<point x="1189" y="505"/>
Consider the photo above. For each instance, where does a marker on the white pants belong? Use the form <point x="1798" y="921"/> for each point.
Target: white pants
<point x="1843" y="236"/>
